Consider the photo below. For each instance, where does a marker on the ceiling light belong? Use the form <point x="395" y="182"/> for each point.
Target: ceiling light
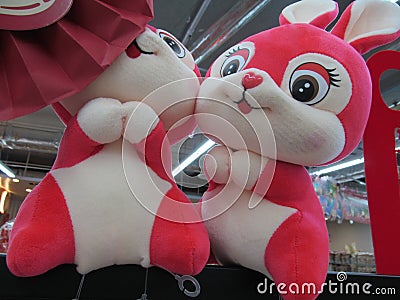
<point x="15" y="180"/>
<point x="28" y="190"/>
<point x="195" y="155"/>
<point x="3" y="201"/>
<point x="6" y="170"/>
<point x="339" y="166"/>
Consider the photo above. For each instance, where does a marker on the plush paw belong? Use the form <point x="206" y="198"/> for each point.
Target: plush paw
<point x="217" y="164"/>
<point x="179" y="241"/>
<point x="42" y="237"/>
<point x="33" y="252"/>
<point x="247" y="168"/>
<point x="140" y="121"/>
<point x="299" y="264"/>
<point x="102" y="120"/>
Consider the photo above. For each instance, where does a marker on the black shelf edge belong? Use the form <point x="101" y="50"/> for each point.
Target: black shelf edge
<point x="127" y="282"/>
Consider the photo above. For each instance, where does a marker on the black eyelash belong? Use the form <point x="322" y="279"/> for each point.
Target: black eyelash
<point x="332" y="79"/>
<point x="233" y="50"/>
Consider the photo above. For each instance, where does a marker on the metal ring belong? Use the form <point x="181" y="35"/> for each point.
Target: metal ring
<point x="182" y="279"/>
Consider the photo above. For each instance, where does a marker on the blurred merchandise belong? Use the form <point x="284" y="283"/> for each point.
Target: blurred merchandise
<point x="352" y="260"/>
<point x="5" y="231"/>
<point x="341" y="203"/>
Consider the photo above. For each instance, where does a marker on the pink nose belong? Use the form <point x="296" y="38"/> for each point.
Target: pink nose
<point x="251" y="80"/>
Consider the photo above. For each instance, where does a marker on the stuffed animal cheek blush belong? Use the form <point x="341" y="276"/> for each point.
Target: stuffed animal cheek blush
<point x="110" y="197"/>
<point x="282" y="99"/>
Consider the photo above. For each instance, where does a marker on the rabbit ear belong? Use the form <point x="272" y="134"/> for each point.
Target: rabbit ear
<point x="367" y="24"/>
<point x="319" y="13"/>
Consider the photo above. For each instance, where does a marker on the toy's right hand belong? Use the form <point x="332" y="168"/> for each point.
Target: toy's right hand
<point x="217" y="165"/>
<point x="101" y="120"/>
<point x="246" y="168"/>
<point x="140" y="121"/>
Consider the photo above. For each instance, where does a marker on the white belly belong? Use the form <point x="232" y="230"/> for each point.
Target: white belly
<point x="240" y="235"/>
<point x="110" y="225"/>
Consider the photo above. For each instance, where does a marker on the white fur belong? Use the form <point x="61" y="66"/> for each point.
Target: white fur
<point x="307" y="10"/>
<point x="102" y="120"/>
<point x="113" y="196"/>
<point x="121" y="233"/>
<point x="217" y="164"/>
<point x="319" y="139"/>
<point x="240" y="219"/>
<point x="141" y="120"/>
<point x="218" y="115"/>
<point x="163" y="81"/>
<point x="247" y="168"/>
<point x="366" y="19"/>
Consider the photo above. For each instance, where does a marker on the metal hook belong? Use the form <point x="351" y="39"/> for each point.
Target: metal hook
<point x="182" y="279"/>
<point x="78" y="294"/>
<point x="144" y="295"/>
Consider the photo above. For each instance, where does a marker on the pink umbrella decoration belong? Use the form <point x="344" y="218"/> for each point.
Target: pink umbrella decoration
<point x="69" y="45"/>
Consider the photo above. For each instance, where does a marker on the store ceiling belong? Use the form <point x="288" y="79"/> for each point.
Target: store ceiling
<point x="28" y="144"/>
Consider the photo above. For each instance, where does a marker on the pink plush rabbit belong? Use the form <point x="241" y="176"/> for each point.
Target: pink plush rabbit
<point x="110" y="197"/>
<point x="280" y="100"/>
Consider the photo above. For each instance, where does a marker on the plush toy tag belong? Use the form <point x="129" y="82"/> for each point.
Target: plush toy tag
<point x="31" y="14"/>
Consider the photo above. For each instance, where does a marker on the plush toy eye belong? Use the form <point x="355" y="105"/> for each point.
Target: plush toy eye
<point x="236" y="60"/>
<point x="174" y="44"/>
<point x="310" y="83"/>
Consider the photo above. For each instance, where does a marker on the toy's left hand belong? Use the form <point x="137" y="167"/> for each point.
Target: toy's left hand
<point x="217" y="164"/>
<point x="246" y="168"/>
<point x="101" y="119"/>
<point x="140" y="121"/>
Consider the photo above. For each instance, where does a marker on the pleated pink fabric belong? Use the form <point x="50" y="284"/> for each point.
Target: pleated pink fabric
<point x="43" y="66"/>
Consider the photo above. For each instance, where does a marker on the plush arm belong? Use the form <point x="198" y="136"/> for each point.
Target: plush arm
<point x="146" y="133"/>
<point x="104" y="120"/>
<point x="247" y="168"/>
<point x="242" y="167"/>
<point x="140" y="121"/>
<point x="99" y="122"/>
<point x="217" y="165"/>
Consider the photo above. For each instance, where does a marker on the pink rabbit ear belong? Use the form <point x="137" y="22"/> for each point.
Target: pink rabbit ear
<point x="367" y="24"/>
<point x="319" y="13"/>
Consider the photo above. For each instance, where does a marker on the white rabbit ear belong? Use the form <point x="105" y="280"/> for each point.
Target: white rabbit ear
<point x="319" y="13"/>
<point x="367" y="24"/>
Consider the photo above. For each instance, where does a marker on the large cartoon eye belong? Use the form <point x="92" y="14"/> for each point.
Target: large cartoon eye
<point x="310" y="83"/>
<point x="173" y="43"/>
<point x="236" y="60"/>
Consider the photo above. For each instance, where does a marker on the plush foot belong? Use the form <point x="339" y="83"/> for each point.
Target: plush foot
<point x="297" y="256"/>
<point x="179" y="241"/>
<point x="42" y="236"/>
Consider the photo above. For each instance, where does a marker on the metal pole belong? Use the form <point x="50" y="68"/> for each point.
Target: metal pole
<point x="239" y="15"/>
<point x="195" y="22"/>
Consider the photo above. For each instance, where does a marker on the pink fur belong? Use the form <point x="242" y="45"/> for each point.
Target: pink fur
<point x="107" y="199"/>
<point x="263" y="105"/>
